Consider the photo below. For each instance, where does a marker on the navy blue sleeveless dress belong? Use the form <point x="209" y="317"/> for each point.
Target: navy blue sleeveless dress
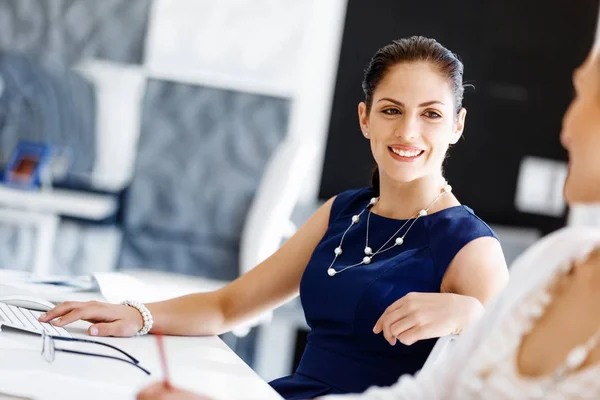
<point x="343" y="355"/>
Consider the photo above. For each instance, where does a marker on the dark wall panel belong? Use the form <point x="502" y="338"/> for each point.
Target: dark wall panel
<point x="520" y="57"/>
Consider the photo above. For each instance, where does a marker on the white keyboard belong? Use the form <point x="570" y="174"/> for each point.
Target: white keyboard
<point x="27" y="320"/>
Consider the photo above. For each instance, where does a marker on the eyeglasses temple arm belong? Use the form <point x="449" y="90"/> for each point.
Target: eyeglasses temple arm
<point x="104" y="356"/>
<point x="67" y="339"/>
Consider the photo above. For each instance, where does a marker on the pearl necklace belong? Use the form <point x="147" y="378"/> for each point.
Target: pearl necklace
<point x="399" y="241"/>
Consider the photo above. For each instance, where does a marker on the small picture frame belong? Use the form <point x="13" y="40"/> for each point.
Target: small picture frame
<point x="26" y="165"/>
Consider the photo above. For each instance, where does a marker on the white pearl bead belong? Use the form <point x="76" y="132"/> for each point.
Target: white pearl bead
<point x="368" y="251"/>
<point x="338" y="251"/>
<point x="536" y="311"/>
<point x="355" y="219"/>
<point x="367" y="260"/>
<point x="331" y="272"/>
<point x="565" y="268"/>
<point x="423" y="213"/>
<point x="447" y="188"/>
<point x="545" y="298"/>
<point x="576" y="357"/>
<point x="374" y="200"/>
<point x="399" y="241"/>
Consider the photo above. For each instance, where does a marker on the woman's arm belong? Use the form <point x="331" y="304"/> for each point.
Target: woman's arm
<point x="478" y="270"/>
<point x="438" y="381"/>
<point x="476" y="274"/>
<point x="270" y="284"/>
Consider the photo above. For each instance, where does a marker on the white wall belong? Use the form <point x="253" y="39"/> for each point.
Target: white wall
<point x="247" y="45"/>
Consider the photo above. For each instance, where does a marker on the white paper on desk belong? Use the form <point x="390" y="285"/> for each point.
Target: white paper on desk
<point x="117" y="287"/>
<point x="43" y="385"/>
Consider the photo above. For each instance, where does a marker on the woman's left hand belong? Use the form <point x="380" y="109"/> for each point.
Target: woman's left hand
<point x="419" y="316"/>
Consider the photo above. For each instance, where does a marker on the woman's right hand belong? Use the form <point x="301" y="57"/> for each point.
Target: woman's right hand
<point x="107" y="319"/>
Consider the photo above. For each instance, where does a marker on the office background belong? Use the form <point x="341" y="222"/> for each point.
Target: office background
<point x="176" y="110"/>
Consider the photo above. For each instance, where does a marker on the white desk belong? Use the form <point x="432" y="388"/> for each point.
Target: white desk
<point x="200" y="364"/>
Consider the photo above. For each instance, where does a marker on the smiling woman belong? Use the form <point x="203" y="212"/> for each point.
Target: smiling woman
<point x="413" y="248"/>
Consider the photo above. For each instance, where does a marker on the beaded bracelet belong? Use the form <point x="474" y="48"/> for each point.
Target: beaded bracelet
<point x="146" y="316"/>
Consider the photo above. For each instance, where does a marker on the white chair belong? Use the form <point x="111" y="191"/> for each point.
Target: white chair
<point x="268" y="221"/>
<point x="268" y="224"/>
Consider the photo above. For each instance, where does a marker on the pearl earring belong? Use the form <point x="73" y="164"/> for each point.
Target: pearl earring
<point x="366" y="134"/>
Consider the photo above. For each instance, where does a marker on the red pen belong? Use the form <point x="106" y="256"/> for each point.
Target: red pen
<point x="163" y="359"/>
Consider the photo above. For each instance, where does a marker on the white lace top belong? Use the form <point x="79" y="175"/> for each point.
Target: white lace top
<point x="482" y="363"/>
